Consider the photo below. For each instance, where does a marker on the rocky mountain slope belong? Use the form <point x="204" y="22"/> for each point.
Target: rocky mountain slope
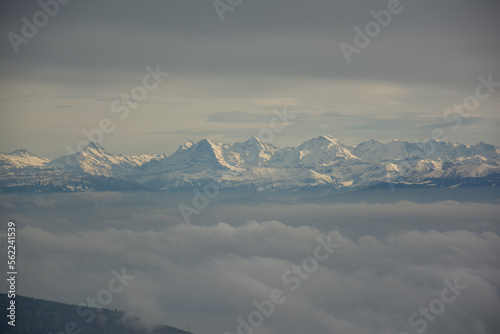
<point x="320" y="163"/>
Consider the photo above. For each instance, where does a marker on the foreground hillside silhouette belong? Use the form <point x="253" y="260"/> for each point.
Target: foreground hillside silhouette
<point x="36" y="316"/>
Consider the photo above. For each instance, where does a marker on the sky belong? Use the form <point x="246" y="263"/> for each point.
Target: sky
<point x="230" y="68"/>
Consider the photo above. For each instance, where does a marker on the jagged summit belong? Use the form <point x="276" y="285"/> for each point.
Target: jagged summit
<point x="21" y="152"/>
<point x="95" y="160"/>
<point x="21" y="159"/>
<point x="253" y="141"/>
<point x="322" y="162"/>
<point x="204" y="143"/>
<point x="322" y="141"/>
<point x="188" y="144"/>
<point x="322" y="150"/>
<point x="94" y="148"/>
<point x="327" y="138"/>
<point x="94" y="144"/>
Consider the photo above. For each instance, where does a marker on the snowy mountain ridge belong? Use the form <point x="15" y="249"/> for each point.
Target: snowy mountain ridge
<point x="253" y="165"/>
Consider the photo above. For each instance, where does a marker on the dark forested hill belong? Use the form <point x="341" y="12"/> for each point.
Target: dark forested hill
<point x="37" y="316"/>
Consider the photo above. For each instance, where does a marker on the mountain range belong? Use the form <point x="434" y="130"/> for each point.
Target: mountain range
<point x="321" y="163"/>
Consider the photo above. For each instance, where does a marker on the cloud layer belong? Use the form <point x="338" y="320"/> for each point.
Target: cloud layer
<point x="208" y="276"/>
<point x="262" y="55"/>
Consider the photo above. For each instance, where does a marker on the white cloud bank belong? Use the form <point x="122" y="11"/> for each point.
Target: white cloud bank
<point x="207" y="276"/>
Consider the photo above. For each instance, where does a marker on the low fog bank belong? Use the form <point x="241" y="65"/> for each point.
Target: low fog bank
<point x="391" y="262"/>
<point x="353" y="214"/>
<point x="208" y="276"/>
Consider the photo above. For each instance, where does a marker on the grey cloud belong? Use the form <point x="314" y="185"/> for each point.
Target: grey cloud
<point x="392" y="258"/>
<point x="285" y="38"/>
<point x="370" y="285"/>
<point x="262" y="50"/>
<point x="238" y="117"/>
<point x="462" y="122"/>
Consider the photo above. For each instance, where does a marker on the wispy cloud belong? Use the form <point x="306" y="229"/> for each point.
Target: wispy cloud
<point x="238" y="117"/>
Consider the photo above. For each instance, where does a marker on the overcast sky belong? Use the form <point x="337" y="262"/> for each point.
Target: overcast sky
<point x="227" y="76"/>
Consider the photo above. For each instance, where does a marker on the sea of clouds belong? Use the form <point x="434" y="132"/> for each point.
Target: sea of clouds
<point x="391" y="260"/>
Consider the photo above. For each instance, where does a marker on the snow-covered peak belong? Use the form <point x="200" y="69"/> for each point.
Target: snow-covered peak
<point x="204" y="144"/>
<point x="94" y="145"/>
<point x="95" y="160"/>
<point x="94" y="148"/>
<point x="371" y="143"/>
<point x="254" y="141"/>
<point x="188" y="144"/>
<point x="206" y="151"/>
<point x="328" y="143"/>
<point x="21" y="159"/>
<point x="486" y="150"/>
<point x="251" y="152"/>
<point x="208" y="148"/>
<point x="376" y="151"/>
<point x="320" y="151"/>
<point x="321" y="141"/>
<point x="201" y="156"/>
<point x="328" y="138"/>
<point x="21" y="153"/>
<point x="319" y="162"/>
